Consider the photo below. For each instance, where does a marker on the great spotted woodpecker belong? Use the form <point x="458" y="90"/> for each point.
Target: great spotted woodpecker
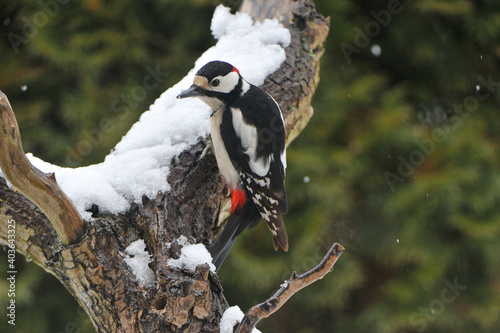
<point x="248" y="136"/>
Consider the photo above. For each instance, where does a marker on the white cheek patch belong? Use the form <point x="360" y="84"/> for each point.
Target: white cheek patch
<point x="227" y="83"/>
<point x="248" y="137"/>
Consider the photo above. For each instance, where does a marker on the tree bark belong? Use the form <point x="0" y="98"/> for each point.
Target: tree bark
<point x="93" y="268"/>
<point x="37" y="186"/>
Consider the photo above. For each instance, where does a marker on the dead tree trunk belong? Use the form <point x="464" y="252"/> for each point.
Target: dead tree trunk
<point x="92" y="267"/>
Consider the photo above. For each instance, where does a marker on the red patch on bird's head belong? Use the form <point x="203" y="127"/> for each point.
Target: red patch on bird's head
<point x="236" y="70"/>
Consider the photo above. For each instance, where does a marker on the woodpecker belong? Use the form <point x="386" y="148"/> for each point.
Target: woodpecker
<point x="248" y="136"/>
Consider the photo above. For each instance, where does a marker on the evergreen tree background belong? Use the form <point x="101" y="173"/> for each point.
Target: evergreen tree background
<point x="400" y="163"/>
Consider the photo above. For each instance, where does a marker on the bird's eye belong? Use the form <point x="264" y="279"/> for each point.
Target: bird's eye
<point x="215" y="82"/>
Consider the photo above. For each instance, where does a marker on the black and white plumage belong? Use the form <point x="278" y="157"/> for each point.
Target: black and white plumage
<point x="248" y="136"/>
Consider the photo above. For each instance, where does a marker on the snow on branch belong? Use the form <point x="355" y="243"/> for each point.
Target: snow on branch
<point x="288" y="289"/>
<point x="141" y="161"/>
<point x="39" y="187"/>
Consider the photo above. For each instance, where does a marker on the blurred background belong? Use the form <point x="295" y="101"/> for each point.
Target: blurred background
<point x="400" y="163"/>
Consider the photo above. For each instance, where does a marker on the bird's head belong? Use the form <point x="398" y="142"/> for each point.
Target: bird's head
<point x="217" y="83"/>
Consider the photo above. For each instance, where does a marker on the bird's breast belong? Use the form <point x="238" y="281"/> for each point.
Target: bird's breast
<point x="224" y="163"/>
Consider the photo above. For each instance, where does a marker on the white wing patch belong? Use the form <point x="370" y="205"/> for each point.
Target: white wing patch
<point x="248" y="136"/>
<point x="244" y="87"/>
<point x="283" y="154"/>
<point x="283" y="159"/>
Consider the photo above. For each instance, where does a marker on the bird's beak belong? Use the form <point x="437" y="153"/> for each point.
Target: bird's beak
<point x="194" y="90"/>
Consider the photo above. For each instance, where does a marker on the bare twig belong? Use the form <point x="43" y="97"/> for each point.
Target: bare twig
<point x="288" y="289"/>
<point x="37" y="186"/>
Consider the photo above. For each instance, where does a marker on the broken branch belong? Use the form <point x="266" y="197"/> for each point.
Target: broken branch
<point x="37" y="186"/>
<point x="288" y="289"/>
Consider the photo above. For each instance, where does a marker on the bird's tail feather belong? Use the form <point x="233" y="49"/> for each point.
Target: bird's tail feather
<point x="277" y="227"/>
<point x="248" y="217"/>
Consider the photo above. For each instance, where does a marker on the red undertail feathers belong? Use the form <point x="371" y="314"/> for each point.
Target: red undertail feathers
<point x="238" y="198"/>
